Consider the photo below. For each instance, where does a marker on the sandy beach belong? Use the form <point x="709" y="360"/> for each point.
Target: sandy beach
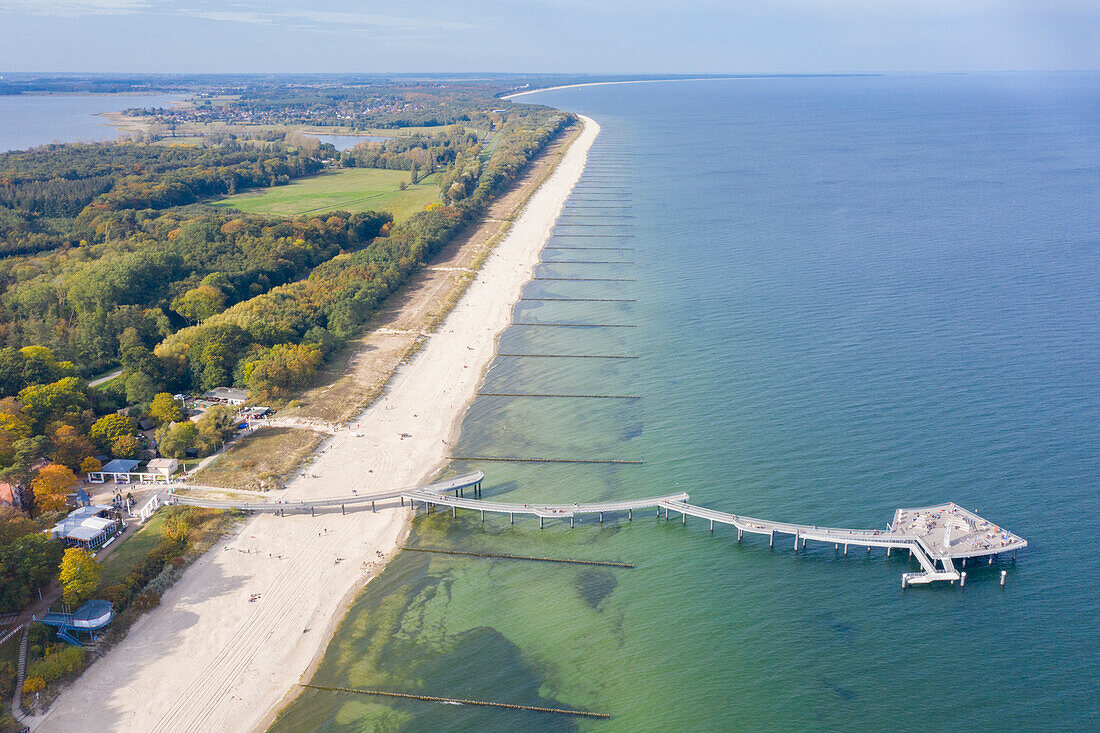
<point x="211" y="659"/>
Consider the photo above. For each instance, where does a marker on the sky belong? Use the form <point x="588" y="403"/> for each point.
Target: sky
<point x="553" y="36"/>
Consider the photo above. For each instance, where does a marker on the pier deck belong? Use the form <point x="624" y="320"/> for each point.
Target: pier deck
<point x="936" y="536"/>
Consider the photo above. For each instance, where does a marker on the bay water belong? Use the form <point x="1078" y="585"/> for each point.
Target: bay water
<point x="845" y="296"/>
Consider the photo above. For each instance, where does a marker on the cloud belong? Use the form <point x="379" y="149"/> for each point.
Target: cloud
<point x="75" y="7"/>
<point x="328" y="20"/>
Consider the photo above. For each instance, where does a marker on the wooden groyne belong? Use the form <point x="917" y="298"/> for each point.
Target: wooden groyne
<point x="573" y="356"/>
<point x="502" y="556"/>
<point x="461" y="701"/>
<point x="563" y="396"/>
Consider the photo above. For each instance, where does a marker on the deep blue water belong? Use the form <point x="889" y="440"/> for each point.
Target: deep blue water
<point x="851" y="295"/>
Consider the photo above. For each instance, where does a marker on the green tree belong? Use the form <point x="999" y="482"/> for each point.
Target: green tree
<point x="198" y="304"/>
<point x="175" y="439"/>
<point x="109" y="427"/>
<point x="28" y="562"/>
<point x="215" y="426"/>
<point x="283" y="369"/>
<point x="166" y="409"/>
<point x="125" y="446"/>
<point x="45" y="402"/>
<point x="79" y="575"/>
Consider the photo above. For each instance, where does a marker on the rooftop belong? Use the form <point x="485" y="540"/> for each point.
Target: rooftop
<point x="120" y="465"/>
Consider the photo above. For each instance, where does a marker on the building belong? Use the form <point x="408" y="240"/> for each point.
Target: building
<point x="10" y="495"/>
<point x="119" y="469"/>
<point x="226" y="396"/>
<point x="88" y="527"/>
<point x="162" y="466"/>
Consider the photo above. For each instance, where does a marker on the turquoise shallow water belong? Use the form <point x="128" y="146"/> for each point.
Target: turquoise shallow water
<point x="851" y="295"/>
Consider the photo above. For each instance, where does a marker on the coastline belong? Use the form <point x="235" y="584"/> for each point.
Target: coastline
<point x="609" y="83"/>
<point x="212" y="659"/>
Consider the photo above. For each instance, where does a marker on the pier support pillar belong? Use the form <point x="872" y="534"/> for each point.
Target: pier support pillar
<point x="904" y="580"/>
<point x="454" y="512"/>
<point x="683" y="518"/>
<point x="836" y="547"/>
<point x="1013" y="554"/>
<point x="845" y="549"/>
<point x="888" y="552"/>
<point x="796" y="541"/>
<point x="311" y="513"/>
<point x="712" y="525"/>
<point x="342" y="510"/>
<point x="540" y="522"/>
<point x="402" y="500"/>
<point x="511" y="518"/>
<point x="571" y="522"/>
<point x="962" y="580"/>
<point x="601" y="517"/>
<point x="771" y="539"/>
<point x="990" y="559"/>
<point x="1003" y="574"/>
<point x="740" y="534"/>
<point x="483" y="515"/>
<point x="372" y="507"/>
<point x="630" y="515"/>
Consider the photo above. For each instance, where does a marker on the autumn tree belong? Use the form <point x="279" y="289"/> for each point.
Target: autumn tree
<point x="90" y="465"/>
<point x="283" y="369"/>
<point x="79" y="575"/>
<point x="125" y="446"/>
<point x="166" y="409"/>
<point x="45" y="402"/>
<point x="109" y="427"/>
<point x="69" y="446"/>
<point x="51" y="487"/>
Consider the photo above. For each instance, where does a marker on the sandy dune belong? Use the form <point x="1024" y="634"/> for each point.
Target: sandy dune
<point x="209" y="659"/>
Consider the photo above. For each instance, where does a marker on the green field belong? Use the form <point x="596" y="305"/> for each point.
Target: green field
<point x="351" y="189"/>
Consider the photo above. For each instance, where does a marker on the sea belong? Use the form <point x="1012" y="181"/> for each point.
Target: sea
<point x="846" y="295"/>
<point x="27" y="120"/>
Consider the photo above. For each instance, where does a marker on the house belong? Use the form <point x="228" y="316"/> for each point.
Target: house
<point x="162" y="466"/>
<point x="9" y="495"/>
<point x="146" y="424"/>
<point x="88" y="527"/>
<point x="226" y="396"/>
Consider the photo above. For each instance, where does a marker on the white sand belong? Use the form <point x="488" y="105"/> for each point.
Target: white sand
<point x="209" y="659"/>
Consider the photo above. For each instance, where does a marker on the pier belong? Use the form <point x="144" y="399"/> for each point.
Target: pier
<point x="937" y="537"/>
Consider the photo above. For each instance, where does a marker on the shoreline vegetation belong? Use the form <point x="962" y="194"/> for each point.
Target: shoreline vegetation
<point x="114" y="262"/>
<point x="474" y="250"/>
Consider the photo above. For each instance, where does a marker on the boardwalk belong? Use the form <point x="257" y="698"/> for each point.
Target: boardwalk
<point x="936" y="536"/>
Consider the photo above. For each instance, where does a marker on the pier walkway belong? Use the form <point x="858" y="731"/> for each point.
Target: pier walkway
<point x="936" y="536"/>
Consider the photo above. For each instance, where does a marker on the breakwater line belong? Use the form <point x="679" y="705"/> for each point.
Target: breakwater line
<point x="461" y="701"/>
<point x="503" y="556"/>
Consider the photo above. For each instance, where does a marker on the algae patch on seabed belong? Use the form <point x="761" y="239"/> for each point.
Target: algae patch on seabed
<point x="395" y="638"/>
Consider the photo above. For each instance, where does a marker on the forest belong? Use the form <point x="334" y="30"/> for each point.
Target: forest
<point x="110" y="257"/>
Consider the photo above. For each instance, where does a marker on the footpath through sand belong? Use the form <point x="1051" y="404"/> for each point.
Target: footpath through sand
<point x="211" y="659"/>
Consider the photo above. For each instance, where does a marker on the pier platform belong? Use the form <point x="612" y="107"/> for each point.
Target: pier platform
<point x="936" y="536"/>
